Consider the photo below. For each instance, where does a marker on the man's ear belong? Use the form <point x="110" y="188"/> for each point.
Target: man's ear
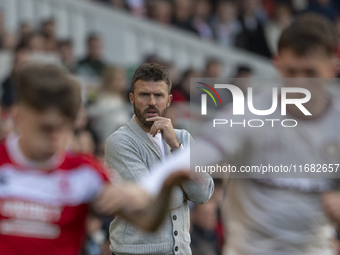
<point x="131" y="97"/>
<point x="169" y="100"/>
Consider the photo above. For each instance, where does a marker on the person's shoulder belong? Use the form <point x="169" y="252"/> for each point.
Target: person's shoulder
<point x="122" y="136"/>
<point x="183" y="135"/>
<point x="83" y="162"/>
<point x="74" y="160"/>
<point x="182" y="131"/>
<point x="121" y="133"/>
<point x="3" y="153"/>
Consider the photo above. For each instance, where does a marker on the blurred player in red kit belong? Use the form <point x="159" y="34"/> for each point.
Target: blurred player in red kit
<point x="45" y="192"/>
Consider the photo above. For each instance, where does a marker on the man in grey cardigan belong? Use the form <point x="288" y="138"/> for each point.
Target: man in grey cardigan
<point x="134" y="149"/>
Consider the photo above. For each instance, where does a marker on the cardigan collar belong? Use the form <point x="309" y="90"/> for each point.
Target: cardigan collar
<point x="140" y="133"/>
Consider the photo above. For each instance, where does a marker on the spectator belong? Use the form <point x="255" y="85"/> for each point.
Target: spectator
<point x="180" y="112"/>
<point x="83" y="142"/>
<point x="273" y="28"/>
<point x="8" y="87"/>
<point x="200" y="22"/>
<point x="217" y="198"/>
<point x="95" y="235"/>
<point x="299" y="5"/>
<point x="111" y="109"/>
<point x="225" y="25"/>
<point x="242" y="77"/>
<point x="48" y="30"/>
<point x="323" y="7"/>
<point x="337" y="31"/>
<point x="65" y="48"/>
<point x="118" y="4"/>
<point x="153" y="58"/>
<point x="181" y="93"/>
<point x="84" y="139"/>
<point x="137" y="7"/>
<point x="174" y="76"/>
<point x="161" y="11"/>
<point x="36" y="43"/>
<point x="9" y="41"/>
<point x="213" y="69"/>
<point x="256" y="7"/>
<point x="204" y="219"/>
<point x="2" y="29"/>
<point x="183" y="12"/>
<point x="25" y="32"/>
<point x="92" y="66"/>
<point x="6" y="123"/>
<point x="252" y="37"/>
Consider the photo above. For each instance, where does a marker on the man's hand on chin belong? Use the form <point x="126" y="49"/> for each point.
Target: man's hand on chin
<point x="164" y="125"/>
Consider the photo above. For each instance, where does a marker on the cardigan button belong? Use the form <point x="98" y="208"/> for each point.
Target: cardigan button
<point x="176" y="248"/>
<point x="174" y="217"/>
<point x="176" y="233"/>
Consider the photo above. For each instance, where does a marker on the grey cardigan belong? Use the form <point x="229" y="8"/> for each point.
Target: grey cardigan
<point x="131" y="153"/>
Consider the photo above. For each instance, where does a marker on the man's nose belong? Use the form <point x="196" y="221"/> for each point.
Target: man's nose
<point x="152" y="100"/>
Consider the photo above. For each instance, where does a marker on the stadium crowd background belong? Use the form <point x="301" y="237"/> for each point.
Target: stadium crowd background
<point x="252" y="25"/>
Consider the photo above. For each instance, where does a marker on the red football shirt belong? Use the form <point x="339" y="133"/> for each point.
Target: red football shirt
<point x="44" y="211"/>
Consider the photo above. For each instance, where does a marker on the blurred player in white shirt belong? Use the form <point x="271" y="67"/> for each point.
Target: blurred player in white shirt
<point x="279" y="216"/>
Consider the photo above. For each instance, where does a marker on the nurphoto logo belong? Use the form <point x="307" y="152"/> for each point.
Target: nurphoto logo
<point x="238" y="104"/>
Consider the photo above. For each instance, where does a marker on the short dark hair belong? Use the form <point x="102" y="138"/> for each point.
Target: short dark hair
<point x="48" y="22"/>
<point x="308" y="32"/>
<point x="91" y="37"/>
<point x="212" y="61"/>
<point x="244" y="68"/>
<point x="65" y="42"/>
<point x="151" y="72"/>
<point x="42" y="86"/>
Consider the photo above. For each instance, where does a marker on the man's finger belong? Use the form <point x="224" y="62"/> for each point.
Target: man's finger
<point x="153" y="129"/>
<point x="156" y="128"/>
<point x="155" y="118"/>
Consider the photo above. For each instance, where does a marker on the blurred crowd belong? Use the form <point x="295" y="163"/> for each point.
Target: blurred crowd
<point x="253" y="25"/>
<point x="105" y="86"/>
